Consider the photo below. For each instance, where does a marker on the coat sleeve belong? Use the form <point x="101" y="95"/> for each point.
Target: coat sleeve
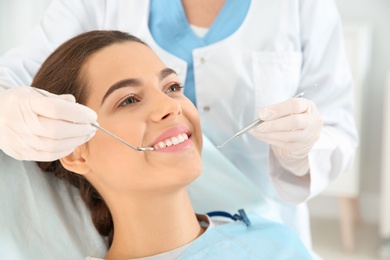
<point x="324" y="63"/>
<point x="62" y="20"/>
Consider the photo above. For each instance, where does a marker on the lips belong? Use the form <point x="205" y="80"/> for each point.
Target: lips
<point x="172" y="137"/>
<point x="171" y="141"/>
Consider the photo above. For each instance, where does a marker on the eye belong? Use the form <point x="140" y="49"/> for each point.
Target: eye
<point x="175" y="87"/>
<point x="130" y="100"/>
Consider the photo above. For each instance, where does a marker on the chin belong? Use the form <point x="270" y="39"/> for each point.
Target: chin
<point x="189" y="172"/>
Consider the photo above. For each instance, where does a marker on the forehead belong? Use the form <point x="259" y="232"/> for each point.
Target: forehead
<point x="117" y="62"/>
<point x="128" y="59"/>
<point x="128" y="55"/>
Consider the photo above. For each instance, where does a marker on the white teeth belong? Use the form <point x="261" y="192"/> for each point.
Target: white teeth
<point x="171" y="141"/>
<point x="180" y="138"/>
<point x="168" y="142"/>
<point x="160" y="145"/>
<point x="175" y="140"/>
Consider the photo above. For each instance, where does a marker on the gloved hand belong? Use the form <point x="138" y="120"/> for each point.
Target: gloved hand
<point x="291" y="128"/>
<point x="40" y="128"/>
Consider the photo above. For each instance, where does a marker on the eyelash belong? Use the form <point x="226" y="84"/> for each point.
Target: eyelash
<point x="130" y="97"/>
<point x="178" y="86"/>
<point x="135" y="99"/>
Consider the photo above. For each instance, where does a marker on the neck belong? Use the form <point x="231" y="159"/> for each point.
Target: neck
<point x="152" y="225"/>
<point x="202" y="13"/>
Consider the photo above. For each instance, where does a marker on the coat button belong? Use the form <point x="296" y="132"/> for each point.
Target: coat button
<point x="202" y="60"/>
<point x="206" y="109"/>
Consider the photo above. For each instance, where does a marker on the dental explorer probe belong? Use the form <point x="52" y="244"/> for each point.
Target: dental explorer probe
<point x="107" y="132"/>
<point x="259" y="121"/>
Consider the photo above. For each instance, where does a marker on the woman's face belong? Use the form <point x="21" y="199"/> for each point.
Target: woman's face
<point x="140" y="100"/>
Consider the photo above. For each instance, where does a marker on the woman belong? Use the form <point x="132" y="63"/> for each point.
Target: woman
<point x="139" y="199"/>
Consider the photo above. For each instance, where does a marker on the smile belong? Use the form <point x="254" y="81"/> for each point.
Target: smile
<point x="171" y="141"/>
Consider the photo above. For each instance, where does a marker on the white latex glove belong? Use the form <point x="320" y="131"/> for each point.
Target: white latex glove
<point x="291" y="128"/>
<point x="39" y="128"/>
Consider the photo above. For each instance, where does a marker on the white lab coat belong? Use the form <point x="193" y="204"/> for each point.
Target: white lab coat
<point x="282" y="47"/>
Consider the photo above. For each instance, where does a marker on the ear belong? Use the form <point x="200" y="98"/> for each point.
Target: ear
<point x="76" y="162"/>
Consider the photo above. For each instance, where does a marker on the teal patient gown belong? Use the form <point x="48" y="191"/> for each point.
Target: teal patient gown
<point x="263" y="239"/>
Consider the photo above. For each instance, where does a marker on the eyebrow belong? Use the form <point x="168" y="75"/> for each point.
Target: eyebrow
<point x="135" y="82"/>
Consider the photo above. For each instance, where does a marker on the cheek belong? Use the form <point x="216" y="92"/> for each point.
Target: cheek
<point x="113" y="163"/>
<point x="127" y="127"/>
<point x="193" y="116"/>
<point x="111" y="160"/>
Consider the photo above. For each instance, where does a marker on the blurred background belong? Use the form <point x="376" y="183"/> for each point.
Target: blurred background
<point x="351" y="219"/>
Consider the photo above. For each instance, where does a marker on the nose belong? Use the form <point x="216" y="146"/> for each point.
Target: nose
<point x="165" y="107"/>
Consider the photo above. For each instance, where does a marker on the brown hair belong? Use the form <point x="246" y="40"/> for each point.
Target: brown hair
<point x="61" y="73"/>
